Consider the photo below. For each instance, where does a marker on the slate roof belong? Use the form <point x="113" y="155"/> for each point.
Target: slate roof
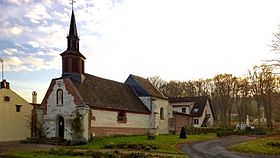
<point x="143" y="87"/>
<point x="107" y="94"/>
<point x="199" y="103"/>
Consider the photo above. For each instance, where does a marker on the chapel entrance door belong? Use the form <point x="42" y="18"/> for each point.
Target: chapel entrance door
<point x="60" y="121"/>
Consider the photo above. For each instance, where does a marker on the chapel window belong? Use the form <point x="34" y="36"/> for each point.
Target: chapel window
<point x="59" y="97"/>
<point x="161" y="113"/>
<point x="121" y="118"/>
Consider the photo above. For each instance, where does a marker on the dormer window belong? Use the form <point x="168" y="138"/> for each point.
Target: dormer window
<point x="59" y="97"/>
<point x="6" y="98"/>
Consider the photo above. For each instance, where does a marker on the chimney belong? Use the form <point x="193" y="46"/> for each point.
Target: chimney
<point x="5" y="84"/>
<point x="34" y="97"/>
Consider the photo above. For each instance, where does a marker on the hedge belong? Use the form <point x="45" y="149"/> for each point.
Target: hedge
<point x="226" y="133"/>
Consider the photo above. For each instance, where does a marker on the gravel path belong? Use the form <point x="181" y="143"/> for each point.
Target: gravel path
<point x="217" y="148"/>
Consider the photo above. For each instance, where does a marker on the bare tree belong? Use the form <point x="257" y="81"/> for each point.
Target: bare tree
<point x="223" y="94"/>
<point x="264" y="87"/>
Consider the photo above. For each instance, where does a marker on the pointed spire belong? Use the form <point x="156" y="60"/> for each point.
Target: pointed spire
<point x="72" y="59"/>
<point x="73" y="29"/>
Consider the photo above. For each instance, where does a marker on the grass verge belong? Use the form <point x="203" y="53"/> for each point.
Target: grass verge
<point x="166" y="146"/>
<point x="259" y="146"/>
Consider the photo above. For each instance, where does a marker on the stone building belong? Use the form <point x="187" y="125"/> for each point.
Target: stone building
<point x="106" y="107"/>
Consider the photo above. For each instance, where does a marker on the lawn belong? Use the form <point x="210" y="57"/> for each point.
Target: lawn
<point x="166" y="143"/>
<point x="259" y="146"/>
<point x="166" y="146"/>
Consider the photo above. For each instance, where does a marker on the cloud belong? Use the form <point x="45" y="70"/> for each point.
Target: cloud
<point x="34" y="44"/>
<point x="16" y="30"/>
<point x="38" y="14"/>
<point x="13" y="60"/>
<point x="19" y="2"/>
<point x="10" y="51"/>
<point x="33" y="62"/>
<point x="9" y="30"/>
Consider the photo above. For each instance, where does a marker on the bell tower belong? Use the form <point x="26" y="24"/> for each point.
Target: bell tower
<point x="72" y="59"/>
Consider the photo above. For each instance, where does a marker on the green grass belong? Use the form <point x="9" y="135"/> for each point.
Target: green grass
<point x="258" y="146"/>
<point x="166" y="145"/>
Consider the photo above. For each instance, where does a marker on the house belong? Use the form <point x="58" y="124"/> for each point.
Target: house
<point x="106" y="107"/>
<point x="15" y="115"/>
<point x="199" y="108"/>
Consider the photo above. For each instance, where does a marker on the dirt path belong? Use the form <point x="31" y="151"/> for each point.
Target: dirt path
<point x="217" y="148"/>
<point x="6" y="147"/>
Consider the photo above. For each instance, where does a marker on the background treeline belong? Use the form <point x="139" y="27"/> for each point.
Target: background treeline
<point x="248" y="95"/>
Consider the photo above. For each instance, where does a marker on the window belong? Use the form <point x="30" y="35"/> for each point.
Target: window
<point x="183" y="110"/>
<point x="121" y="117"/>
<point x="161" y="113"/>
<point x="6" y="98"/>
<point x="59" y="97"/>
<point x="196" y="121"/>
<point x="18" y="107"/>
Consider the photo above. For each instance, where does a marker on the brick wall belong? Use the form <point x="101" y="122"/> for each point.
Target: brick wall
<point x="111" y="131"/>
<point x="180" y="120"/>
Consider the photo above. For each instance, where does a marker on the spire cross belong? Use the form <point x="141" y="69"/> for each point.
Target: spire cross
<point x="72" y="3"/>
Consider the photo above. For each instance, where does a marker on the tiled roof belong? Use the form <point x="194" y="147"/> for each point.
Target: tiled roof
<point x="107" y="94"/>
<point x="148" y="87"/>
<point x="199" y="103"/>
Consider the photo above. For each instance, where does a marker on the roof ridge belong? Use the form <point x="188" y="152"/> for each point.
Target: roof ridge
<point x="104" y="78"/>
<point x="150" y="83"/>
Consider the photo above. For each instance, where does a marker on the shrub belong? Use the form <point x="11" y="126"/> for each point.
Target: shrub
<point x="131" y="146"/>
<point x="226" y="133"/>
<point x="276" y="143"/>
<point x="110" y="146"/>
<point x="151" y="136"/>
<point x="183" y="134"/>
<point x="205" y="130"/>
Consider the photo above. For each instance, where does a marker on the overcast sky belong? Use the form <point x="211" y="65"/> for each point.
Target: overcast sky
<point x="174" y="39"/>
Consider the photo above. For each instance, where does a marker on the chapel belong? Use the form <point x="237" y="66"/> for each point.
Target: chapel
<point x="106" y="107"/>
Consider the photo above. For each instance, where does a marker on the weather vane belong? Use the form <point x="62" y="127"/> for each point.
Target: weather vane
<point x="72" y="3"/>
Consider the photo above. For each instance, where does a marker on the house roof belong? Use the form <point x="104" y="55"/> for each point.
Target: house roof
<point x="199" y="103"/>
<point x="144" y="87"/>
<point x="107" y="94"/>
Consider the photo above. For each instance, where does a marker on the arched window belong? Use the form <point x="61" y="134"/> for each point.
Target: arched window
<point x="161" y="113"/>
<point x="59" y="97"/>
<point x="122" y="117"/>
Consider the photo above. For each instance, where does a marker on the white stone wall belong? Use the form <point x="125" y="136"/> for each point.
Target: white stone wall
<point x="53" y="111"/>
<point x="109" y="119"/>
<point x="208" y="110"/>
<point x="179" y="109"/>
<point x="162" y="125"/>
